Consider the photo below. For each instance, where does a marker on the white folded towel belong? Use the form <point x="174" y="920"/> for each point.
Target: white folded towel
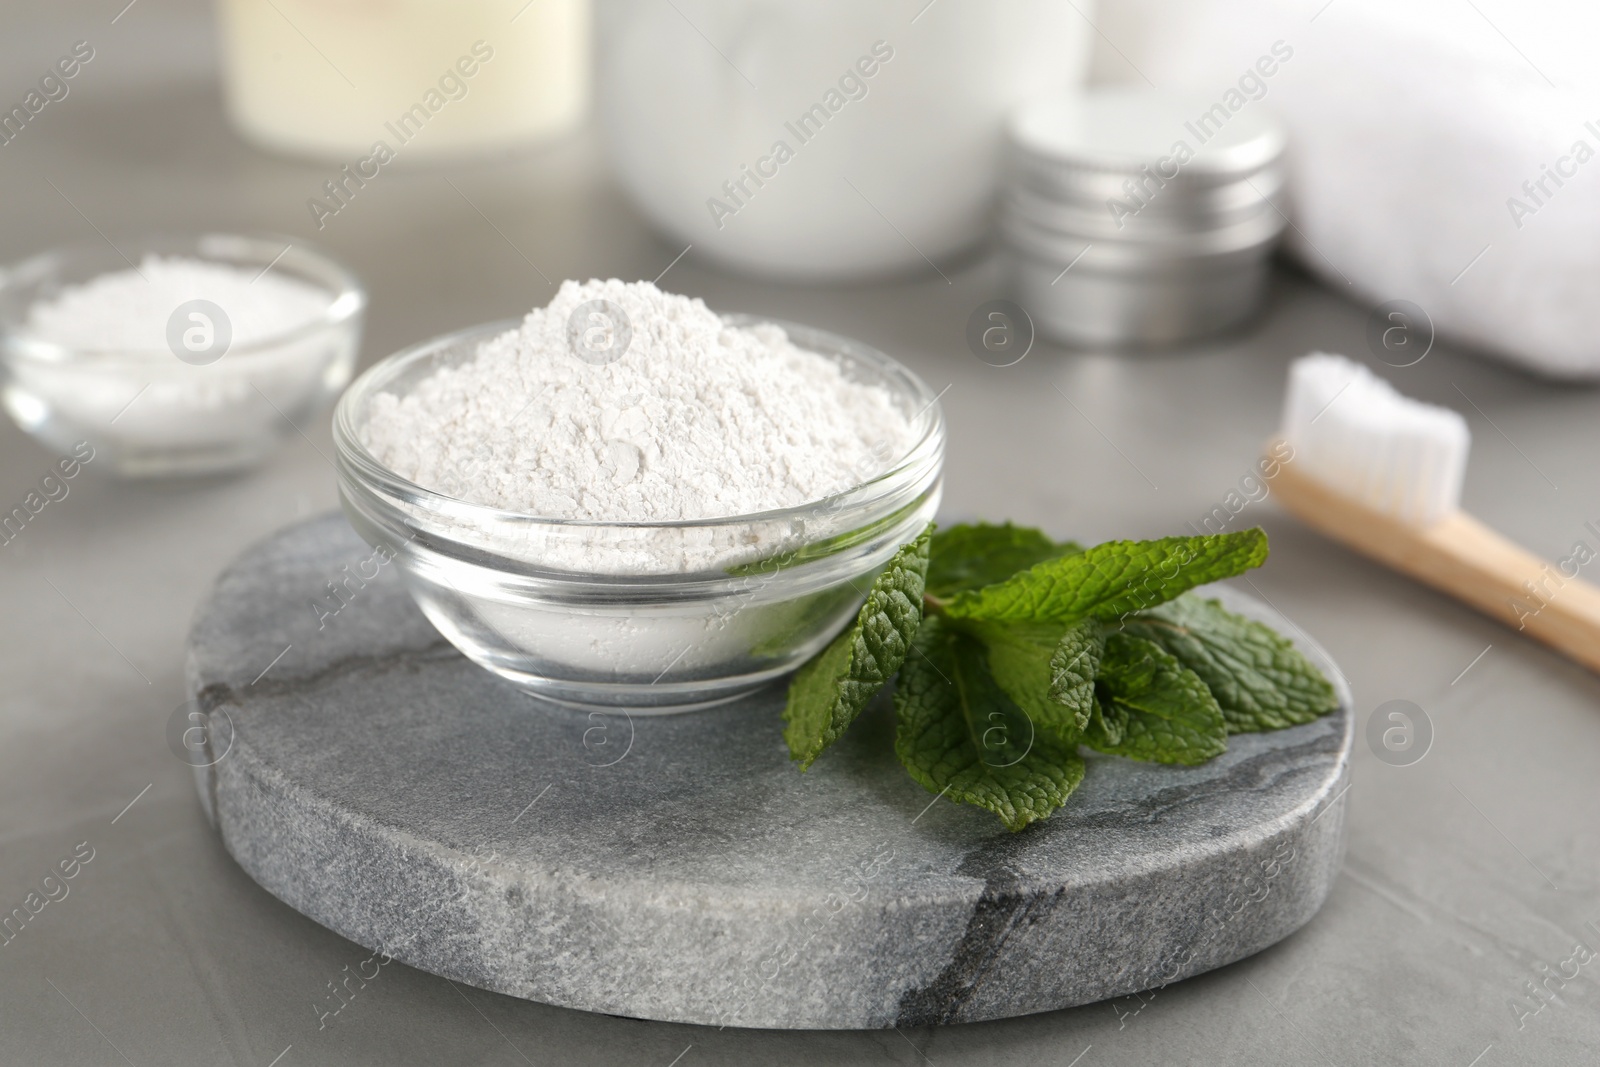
<point x="1444" y="152"/>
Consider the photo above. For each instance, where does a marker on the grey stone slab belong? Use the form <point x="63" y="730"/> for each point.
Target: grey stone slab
<point x="678" y="867"/>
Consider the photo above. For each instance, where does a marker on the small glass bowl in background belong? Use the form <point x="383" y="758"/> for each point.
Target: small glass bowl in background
<point x="587" y="613"/>
<point x="148" y="412"/>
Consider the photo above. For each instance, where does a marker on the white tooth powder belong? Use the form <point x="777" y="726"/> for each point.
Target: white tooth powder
<point x="127" y="310"/>
<point x="696" y="420"/>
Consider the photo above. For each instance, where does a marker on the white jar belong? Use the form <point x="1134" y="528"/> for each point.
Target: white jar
<point x="328" y="78"/>
<point x="701" y="105"/>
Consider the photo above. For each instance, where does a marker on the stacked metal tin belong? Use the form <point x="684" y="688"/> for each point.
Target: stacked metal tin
<point x="1134" y="218"/>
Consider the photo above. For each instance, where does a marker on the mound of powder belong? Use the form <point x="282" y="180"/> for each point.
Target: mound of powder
<point x="696" y="420"/>
<point x="129" y="309"/>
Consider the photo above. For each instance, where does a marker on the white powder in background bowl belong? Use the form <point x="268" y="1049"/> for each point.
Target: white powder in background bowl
<point x="127" y="310"/>
<point x="183" y="364"/>
<point x="696" y="420"/>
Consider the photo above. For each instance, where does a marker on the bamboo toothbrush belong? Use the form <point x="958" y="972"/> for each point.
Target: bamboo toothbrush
<point x="1382" y="473"/>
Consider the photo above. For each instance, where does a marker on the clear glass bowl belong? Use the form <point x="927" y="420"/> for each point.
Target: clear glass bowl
<point x="148" y="412"/>
<point x="585" y="613"/>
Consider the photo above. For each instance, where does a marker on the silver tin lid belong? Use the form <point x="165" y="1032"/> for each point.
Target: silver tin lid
<point x="1136" y="217"/>
<point x="1085" y="147"/>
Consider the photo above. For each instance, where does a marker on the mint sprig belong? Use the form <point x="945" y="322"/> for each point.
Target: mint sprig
<point x="831" y="690"/>
<point x="1012" y="650"/>
<point x="1047" y="673"/>
<point x="1113" y="579"/>
<point x="960" y="735"/>
<point x="971" y="556"/>
<point x="1259" y="679"/>
<point x="1163" y="710"/>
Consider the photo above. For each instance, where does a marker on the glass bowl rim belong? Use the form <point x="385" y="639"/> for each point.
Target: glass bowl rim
<point x="347" y="297"/>
<point x="357" y="462"/>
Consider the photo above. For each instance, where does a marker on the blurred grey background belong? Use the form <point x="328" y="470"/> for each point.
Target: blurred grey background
<point x="1470" y="876"/>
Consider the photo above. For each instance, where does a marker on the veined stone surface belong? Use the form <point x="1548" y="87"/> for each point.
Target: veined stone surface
<point x="678" y="867"/>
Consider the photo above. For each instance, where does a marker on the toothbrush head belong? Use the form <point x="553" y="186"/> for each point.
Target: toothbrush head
<point x="1355" y="434"/>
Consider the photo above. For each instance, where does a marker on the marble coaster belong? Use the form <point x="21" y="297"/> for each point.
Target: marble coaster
<point x="678" y="867"/>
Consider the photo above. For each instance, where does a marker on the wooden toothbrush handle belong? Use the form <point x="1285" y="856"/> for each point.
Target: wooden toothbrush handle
<point x="1464" y="558"/>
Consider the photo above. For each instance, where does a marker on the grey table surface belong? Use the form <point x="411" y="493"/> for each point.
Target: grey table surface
<point x="1470" y="876"/>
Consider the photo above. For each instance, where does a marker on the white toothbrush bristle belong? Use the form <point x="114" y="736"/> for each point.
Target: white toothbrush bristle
<point x="1352" y="431"/>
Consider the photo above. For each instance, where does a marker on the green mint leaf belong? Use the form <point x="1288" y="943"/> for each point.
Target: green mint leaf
<point x="1113" y="579"/>
<point x="1073" y="667"/>
<point x="829" y="692"/>
<point x="1048" y="674"/>
<point x="1108" y="725"/>
<point x="958" y="734"/>
<point x="1260" y="680"/>
<point x="970" y="556"/>
<point x="1165" y="711"/>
